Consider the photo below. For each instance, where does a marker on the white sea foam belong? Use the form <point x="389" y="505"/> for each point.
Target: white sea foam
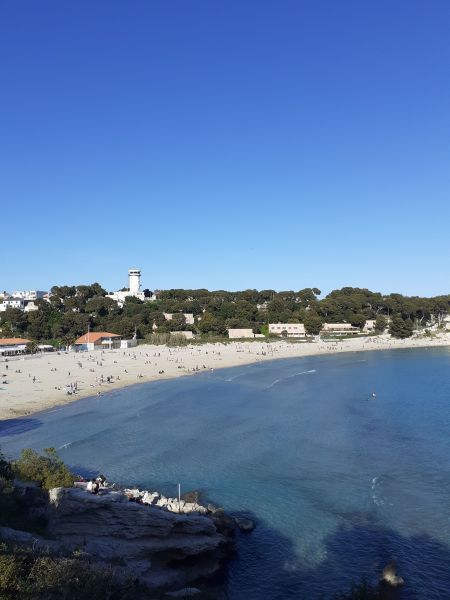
<point x="290" y="377"/>
<point x="376" y="496"/>
<point x="235" y="377"/>
<point x="65" y="445"/>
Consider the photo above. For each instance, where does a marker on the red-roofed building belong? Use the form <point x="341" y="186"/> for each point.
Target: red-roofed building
<point x="11" y="346"/>
<point x="94" y="340"/>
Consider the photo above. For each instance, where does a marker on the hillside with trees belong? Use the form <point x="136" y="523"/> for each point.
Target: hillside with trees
<point x="72" y="309"/>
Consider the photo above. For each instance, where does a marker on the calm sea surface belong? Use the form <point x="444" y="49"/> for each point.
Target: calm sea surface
<point x="338" y="483"/>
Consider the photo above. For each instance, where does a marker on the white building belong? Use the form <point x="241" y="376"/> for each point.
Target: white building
<point x="369" y="326"/>
<point x="97" y="340"/>
<point x="189" y="317"/>
<point x="339" y="329"/>
<point x="23" y="300"/>
<point x="29" y="294"/>
<point x="30" y="307"/>
<point x="235" y="334"/>
<point x="291" y="330"/>
<point x="12" y="302"/>
<point x="11" y="346"/>
<point x="134" y="288"/>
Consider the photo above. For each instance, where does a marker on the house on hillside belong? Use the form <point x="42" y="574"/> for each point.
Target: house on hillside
<point x="12" y="302"/>
<point x="13" y="346"/>
<point x="369" y="326"/>
<point x="189" y="317"/>
<point x="97" y="340"/>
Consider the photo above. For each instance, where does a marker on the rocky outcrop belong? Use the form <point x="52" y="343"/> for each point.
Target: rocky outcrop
<point x="171" y="504"/>
<point x="163" y="549"/>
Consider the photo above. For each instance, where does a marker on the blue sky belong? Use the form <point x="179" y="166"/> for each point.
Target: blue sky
<point x="229" y="145"/>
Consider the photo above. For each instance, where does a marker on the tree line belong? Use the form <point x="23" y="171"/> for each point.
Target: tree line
<point x="72" y="309"/>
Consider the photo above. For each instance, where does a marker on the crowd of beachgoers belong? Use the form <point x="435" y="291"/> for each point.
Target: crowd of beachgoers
<point x="30" y="383"/>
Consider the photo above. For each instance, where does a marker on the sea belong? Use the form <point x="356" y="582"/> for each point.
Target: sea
<point x="342" y="461"/>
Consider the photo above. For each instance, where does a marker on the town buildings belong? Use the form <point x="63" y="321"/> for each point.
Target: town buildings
<point x="22" y="300"/>
<point x="30" y="294"/>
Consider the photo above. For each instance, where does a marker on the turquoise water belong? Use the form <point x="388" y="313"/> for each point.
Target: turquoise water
<point x="338" y="483"/>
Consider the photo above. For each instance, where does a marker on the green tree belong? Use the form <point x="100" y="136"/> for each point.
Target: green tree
<point x="47" y="469"/>
<point x="210" y="324"/>
<point x="380" y="324"/>
<point x="38" y="326"/>
<point x="177" y="323"/>
<point x="401" y="328"/>
<point x="358" y="320"/>
<point x="313" y="324"/>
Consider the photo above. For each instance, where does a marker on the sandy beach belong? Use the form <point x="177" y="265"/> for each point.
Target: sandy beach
<point x="36" y="382"/>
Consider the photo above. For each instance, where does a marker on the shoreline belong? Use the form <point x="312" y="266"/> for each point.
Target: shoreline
<point x="38" y="383"/>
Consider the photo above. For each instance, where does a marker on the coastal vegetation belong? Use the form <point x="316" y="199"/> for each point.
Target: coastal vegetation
<point x="71" y="309"/>
<point x="45" y="470"/>
<point x="48" y="470"/>
<point x="27" y="573"/>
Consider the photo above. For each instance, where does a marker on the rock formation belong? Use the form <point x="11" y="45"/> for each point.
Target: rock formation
<point x="164" y="550"/>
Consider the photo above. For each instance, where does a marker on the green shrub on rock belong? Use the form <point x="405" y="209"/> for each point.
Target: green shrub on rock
<point x="48" y="469"/>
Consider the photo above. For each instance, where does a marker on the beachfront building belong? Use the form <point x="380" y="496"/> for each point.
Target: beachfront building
<point x="13" y="346"/>
<point x="238" y="333"/>
<point x="133" y="289"/>
<point x="189" y="317"/>
<point x="339" y="329"/>
<point x="97" y="340"/>
<point x="290" y="330"/>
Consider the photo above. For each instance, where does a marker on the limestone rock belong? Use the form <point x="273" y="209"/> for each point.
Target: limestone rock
<point x="164" y="549"/>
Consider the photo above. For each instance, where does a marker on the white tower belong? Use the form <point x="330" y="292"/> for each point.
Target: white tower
<point x="134" y="281"/>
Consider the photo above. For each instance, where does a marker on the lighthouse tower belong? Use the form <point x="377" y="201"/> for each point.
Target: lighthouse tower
<point x="134" y="281"/>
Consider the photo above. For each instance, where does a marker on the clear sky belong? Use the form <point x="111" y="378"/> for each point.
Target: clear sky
<point x="226" y="144"/>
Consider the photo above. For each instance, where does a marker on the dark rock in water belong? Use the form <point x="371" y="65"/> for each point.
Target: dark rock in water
<point x="390" y="577"/>
<point x="193" y="497"/>
<point x="245" y="525"/>
<point x="211" y="508"/>
<point x="225" y="525"/>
